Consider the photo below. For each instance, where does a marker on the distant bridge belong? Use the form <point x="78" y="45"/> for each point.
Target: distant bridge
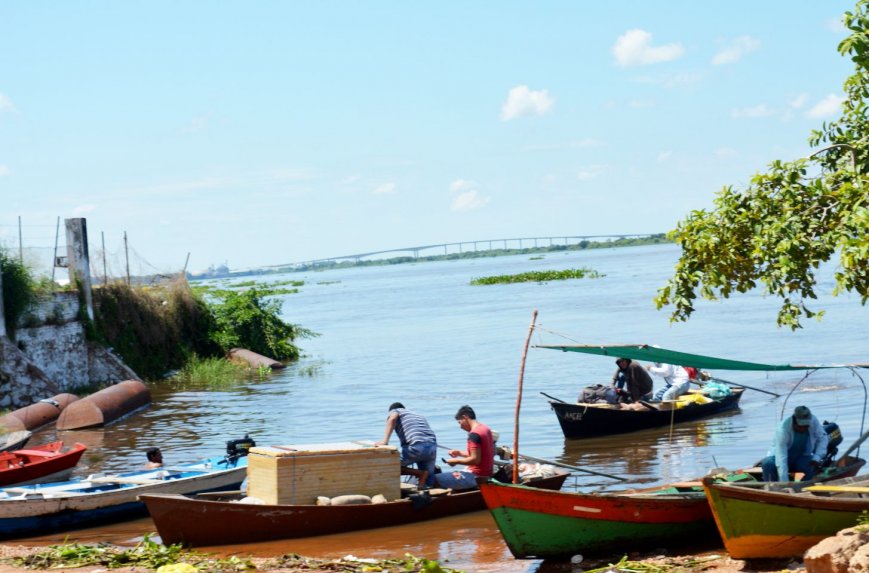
<point x="464" y="246"/>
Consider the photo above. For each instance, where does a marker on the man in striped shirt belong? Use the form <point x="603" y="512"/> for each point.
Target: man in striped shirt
<point x="418" y="442"/>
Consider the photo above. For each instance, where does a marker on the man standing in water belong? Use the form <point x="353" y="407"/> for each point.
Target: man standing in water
<point x="418" y="442"/>
<point x="479" y="456"/>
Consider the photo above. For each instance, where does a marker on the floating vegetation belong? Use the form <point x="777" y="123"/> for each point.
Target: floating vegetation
<point x="539" y="277"/>
<point x="350" y="564"/>
<point x="311" y="370"/>
<point x="328" y="282"/>
<point x="147" y="553"/>
<point x="537" y="258"/>
<point x="173" y="558"/>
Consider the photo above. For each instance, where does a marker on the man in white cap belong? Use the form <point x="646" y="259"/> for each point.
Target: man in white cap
<point x="800" y="445"/>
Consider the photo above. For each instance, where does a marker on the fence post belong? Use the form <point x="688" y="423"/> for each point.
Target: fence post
<point x="79" y="261"/>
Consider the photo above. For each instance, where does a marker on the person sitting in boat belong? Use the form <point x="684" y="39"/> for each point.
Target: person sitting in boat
<point x="631" y="382"/>
<point x="419" y="444"/>
<point x="799" y="446"/>
<point x="479" y="456"/>
<point x="155" y="458"/>
<point x="675" y="378"/>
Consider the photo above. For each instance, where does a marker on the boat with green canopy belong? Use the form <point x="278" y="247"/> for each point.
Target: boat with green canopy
<point x="587" y="419"/>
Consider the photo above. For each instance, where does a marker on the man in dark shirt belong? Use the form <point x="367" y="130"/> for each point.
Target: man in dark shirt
<point x="631" y="381"/>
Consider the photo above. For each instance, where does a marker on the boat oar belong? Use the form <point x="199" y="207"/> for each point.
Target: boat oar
<point x="553" y="398"/>
<point x="855" y="445"/>
<point x="559" y="464"/>
<point x="569" y="467"/>
<point x="738" y="385"/>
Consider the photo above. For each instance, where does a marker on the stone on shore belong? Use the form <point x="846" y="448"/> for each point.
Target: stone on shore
<point x="846" y="552"/>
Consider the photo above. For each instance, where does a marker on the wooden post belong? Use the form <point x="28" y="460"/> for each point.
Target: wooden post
<point x="519" y="399"/>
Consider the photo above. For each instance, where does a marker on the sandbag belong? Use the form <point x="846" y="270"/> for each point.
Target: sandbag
<point x="353" y="499"/>
<point x="597" y="393"/>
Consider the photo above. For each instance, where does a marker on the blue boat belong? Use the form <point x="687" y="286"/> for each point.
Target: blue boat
<point x="98" y="498"/>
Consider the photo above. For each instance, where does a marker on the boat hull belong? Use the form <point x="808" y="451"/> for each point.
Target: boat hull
<point x="543" y="524"/>
<point x="762" y="524"/>
<point x="201" y="522"/>
<point x="40" y="464"/>
<point x="589" y="421"/>
<point x="82" y="502"/>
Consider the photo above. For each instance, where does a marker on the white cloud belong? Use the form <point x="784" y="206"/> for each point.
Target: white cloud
<point x="799" y="101"/>
<point x="461" y="185"/>
<point x="836" y="25"/>
<point x="522" y="101"/>
<point x="761" y="110"/>
<point x="84" y="209"/>
<point x="350" y="180"/>
<point x="641" y="103"/>
<point x="828" y="106"/>
<point x="737" y="48"/>
<point x="195" y="125"/>
<point x="664" y="156"/>
<point x="468" y="201"/>
<point x="633" y="48"/>
<point x="588" y="173"/>
<point x="4" y="170"/>
<point x="385" y="189"/>
<point x="468" y="198"/>
<point x="6" y="103"/>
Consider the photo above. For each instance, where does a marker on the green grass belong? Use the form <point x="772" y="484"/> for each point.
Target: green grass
<point x="209" y="372"/>
<point x="539" y="277"/>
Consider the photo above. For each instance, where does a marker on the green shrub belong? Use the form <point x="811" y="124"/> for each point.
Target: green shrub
<point x="538" y="276"/>
<point x="246" y="320"/>
<point x="19" y="290"/>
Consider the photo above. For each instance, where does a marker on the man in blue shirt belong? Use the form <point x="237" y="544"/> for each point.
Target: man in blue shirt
<point x="799" y="446"/>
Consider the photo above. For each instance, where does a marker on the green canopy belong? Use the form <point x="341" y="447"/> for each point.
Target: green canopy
<point x="655" y="354"/>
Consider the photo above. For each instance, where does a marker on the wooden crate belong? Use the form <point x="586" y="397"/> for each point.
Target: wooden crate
<point x="298" y="474"/>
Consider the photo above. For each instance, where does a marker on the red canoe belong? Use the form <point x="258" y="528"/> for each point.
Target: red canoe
<point x="39" y="464"/>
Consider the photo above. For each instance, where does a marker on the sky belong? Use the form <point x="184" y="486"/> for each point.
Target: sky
<point x="265" y="133"/>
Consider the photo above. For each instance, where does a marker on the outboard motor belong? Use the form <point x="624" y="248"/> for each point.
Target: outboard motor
<point x="834" y="434"/>
<point x="238" y="448"/>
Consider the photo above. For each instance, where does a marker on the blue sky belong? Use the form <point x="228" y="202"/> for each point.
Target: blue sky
<point x="262" y="133"/>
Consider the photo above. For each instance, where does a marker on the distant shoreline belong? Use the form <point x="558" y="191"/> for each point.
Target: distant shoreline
<point x="223" y="272"/>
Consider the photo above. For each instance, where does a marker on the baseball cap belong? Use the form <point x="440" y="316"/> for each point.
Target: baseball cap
<point x="802" y="416"/>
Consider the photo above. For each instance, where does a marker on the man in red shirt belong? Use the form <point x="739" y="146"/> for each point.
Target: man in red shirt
<point x="479" y="457"/>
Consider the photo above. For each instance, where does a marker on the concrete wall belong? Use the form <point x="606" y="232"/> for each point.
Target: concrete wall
<point x="50" y="354"/>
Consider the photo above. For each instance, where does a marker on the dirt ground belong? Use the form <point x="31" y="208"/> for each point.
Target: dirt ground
<point x="707" y="562"/>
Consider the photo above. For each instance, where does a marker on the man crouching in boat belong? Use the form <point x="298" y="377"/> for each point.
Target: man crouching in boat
<point x="631" y="382"/>
<point x="800" y="445"/>
<point x="418" y="442"/>
<point x="479" y="457"/>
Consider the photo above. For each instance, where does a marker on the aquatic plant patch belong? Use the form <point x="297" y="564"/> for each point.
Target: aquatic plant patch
<point x="539" y="277"/>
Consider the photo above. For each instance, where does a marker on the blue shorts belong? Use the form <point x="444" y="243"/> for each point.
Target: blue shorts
<point x="424" y="455"/>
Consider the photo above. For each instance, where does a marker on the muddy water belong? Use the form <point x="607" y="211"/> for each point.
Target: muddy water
<point x="421" y="335"/>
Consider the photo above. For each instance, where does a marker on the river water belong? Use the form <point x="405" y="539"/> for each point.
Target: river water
<point x="420" y="334"/>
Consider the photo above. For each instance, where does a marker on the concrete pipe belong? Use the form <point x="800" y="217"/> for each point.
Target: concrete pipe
<point x="37" y="415"/>
<point x="105" y="406"/>
<point x="253" y="359"/>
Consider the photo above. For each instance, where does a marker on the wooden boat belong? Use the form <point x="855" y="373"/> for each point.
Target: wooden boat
<point x="546" y="524"/>
<point x="47" y="462"/>
<point x="775" y="520"/>
<point x="14" y="440"/>
<point x="101" y="498"/>
<point x="602" y="419"/>
<point x="207" y="521"/>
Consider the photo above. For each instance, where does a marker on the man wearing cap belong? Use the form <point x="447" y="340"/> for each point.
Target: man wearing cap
<point x="631" y="382"/>
<point x="800" y="445"/>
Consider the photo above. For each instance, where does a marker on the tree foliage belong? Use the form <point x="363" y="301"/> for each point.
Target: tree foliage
<point x="19" y="289"/>
<point x="246" y="320"/>
<point x="775" y="233"/>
